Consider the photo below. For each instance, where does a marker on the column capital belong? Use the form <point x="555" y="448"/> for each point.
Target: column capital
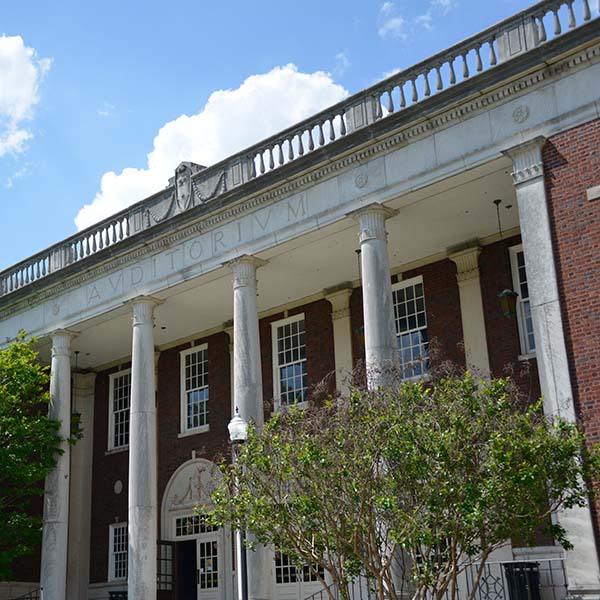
<point x="61" y="341"/>
<point x="527" y="160"/>
<point x="244" y="269"/>
<point x="467" y="263"/>
<point x="339" y="297"/>
<point x="371" y="221"/>
<point x="143" y="309"/>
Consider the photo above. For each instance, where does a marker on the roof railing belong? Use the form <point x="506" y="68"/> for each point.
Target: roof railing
<point x="481" y="52"/>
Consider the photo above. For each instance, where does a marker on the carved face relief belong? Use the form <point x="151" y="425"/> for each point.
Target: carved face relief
<point x="183" y="187"/>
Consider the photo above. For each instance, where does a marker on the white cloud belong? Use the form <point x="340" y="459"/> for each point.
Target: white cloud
<point x="436" y="8"/>
<point x="230" y="121"/>
<point x="393" y="27"/>
<point x="386" y="8"/>
<point x="24" y="171"/>
<point x="21" y="72"/>
<point x="391" y="72"/>
<point x="342" y="63"/>
<point x="106" y="110"/>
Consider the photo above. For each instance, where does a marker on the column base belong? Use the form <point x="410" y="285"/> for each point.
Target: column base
<point x="592" y="594"/>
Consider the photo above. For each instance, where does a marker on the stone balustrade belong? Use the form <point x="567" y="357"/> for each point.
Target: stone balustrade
<point x="520" y="33"/>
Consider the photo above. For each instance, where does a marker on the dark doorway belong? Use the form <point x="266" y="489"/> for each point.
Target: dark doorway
<point x="187" y="585"/>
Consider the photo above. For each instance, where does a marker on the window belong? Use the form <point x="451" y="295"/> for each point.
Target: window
<point x="524" y="320"/>
<point x="287" y="572"/>
<point x="192" y="525"/>
<point x="194" y="386"/>
<point x="411" y="327"/>
<point x="289" y="361"/>
<point x="120" y="397"/>
<point x="117" y="559"/>
<point x="164" y="567"/>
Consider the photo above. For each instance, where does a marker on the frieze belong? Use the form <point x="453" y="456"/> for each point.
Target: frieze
<point x="408" y="133"/>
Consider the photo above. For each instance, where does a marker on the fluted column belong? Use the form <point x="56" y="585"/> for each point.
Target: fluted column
<point x="471" y="310"/>
<point x="247" y="394"/>
<point x="381" y="351"/>
<point x="142" y="513"/>
<point x="339" y="297"/>
<point x="56" y="497"/>
<point x="78" y="569"/>
<point x="583" y="573"/>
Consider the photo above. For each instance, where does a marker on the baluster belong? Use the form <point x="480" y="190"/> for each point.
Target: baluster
<point x="572" y="22"/>
<point x="44" y="267"/>
<point x="321" y="138"/>
<point x="93" y="243"/>
<point x="439" y="85"/>
<point x="290" y="150"/>
<point x="478" y="63"/>
<point x="300" y="145"/>
<point x="26" y="271"/>
<point x="342" y="124"/>
<point x="376" y="108"/>
<point x="557" y="29"/>
<point x="493" y="59"/>
<point x="261" y="162"/>
<point x="252" y="167"/>
<point x="402" y="98"/>
<point x="426" y="90"/>
<point x="542" y="29"/>
<point x="311" y="142"/>
<point x="100" y="234"/>
<point x="126" y="226"/>
<point x="119" y="230"/>
<point x="415" y="95"/>
<point x="19" y="279"/>
<point x="271" y="161"/>
<point x="390" y="104"/>
<point x="452" y="73"/>
<point x="465" y="70"/>
<point x="587" y="15"/>
<point x="37" y="270"/>
<point x="332" y="129"/>
<point x="86" y="247"/>
<point x="280" y="153"/>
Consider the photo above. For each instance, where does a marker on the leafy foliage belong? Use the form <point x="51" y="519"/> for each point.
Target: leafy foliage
<point x="407" y="486"/>
<point x="29" y="443"/>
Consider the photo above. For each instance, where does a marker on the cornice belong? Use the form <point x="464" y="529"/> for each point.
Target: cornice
<point x="443" y="119"/>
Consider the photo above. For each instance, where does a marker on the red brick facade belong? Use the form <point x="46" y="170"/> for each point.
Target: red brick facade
<point x="571" y="166"/>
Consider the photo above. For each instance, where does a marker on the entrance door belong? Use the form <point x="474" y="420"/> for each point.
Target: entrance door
<point x="186" y="570"/>
<point x="210" y="569"/>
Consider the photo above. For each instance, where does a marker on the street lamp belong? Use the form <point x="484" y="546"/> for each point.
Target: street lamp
<point x="238" y="434"/>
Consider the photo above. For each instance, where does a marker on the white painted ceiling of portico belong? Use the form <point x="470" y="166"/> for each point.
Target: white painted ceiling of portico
<point x="429" y="221"/>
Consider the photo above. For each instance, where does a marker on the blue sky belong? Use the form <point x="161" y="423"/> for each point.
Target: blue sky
<point x="100" y="101"/>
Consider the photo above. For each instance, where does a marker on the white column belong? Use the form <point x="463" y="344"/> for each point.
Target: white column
<point x="381" y="352"/>
<point x="471" y="310"/>
<point x="78" y="568"/>
<point x="142" y="513"/>
<point x="56" y="496"/>
<point x="342" y="334"/>
<point x="247" y="393"/>
<point x="528" y="176"/>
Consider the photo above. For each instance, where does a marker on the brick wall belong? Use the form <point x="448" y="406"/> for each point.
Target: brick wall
<point x="572" y="165"/>
<point x="502" y="332"/>
<point x="442" y="303"/>
<point x="173" y="450"/>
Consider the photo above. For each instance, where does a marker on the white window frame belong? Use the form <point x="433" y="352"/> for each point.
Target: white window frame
<point x="111" y="551"/>
<point x="526" y="350"/>
<point x="406" y="283"/>
<point x="111" y="410"/>
<point x="184" y="429"/>
<point x="276" y="379"/>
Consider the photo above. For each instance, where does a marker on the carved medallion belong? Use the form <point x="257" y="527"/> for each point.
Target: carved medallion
<point x="183" y="186"/>
<point x="520" y="114"/>
<point x="361" y="180"/>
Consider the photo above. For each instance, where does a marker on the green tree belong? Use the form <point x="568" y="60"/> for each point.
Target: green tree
<point x="408" y="486"/>
<point x="29" y="443"/>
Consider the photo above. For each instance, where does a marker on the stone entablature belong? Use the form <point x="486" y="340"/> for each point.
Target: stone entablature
<point x="194" y="186"/>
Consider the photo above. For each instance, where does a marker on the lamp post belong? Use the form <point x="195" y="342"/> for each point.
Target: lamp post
<point x="238" y="433"/>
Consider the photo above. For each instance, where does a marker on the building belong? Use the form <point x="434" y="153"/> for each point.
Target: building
<point x="481" y="163"/>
